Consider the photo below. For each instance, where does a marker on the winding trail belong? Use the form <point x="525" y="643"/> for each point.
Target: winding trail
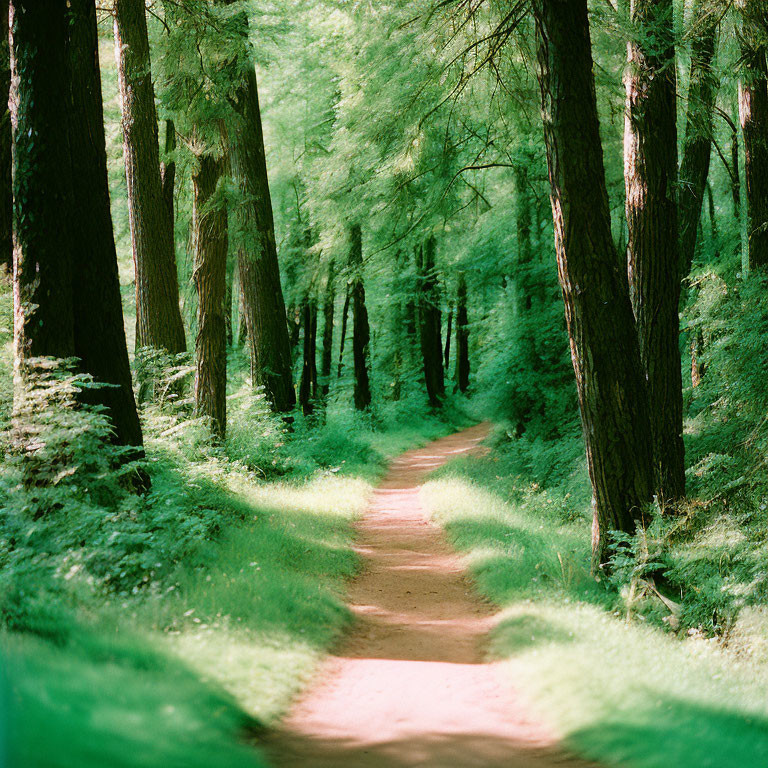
<point x="409" y="685"/>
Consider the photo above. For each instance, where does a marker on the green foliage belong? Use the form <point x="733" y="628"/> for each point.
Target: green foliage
<point x="617" y="692"/>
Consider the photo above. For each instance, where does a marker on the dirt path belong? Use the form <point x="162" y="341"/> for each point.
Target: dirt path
<point x="409" y="686"/>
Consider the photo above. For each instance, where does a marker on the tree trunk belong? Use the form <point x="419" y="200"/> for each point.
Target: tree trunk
<point x="228" y="305"/>
<point x="604" y="346"/>
<point x="328" y="313"/>
<point x="697" y="145"/>
<point x="158" y="317"/>
<point x="650" y="170"/>
<point x="98" y="313"/>
<point x="6" y="161"/>
<point x="462" y="336"/>
<point x="42" y="182"/>
<point x="308" y="385"/>
<point x="259" y="271"/>
<point x="430" y="331"/>
<point x="753" y="114"/>
<point x="361" y="332"/>
<point x="294" y="320"/>
<point x="168" y="170"/>
<point x="448" y="331"/>
<point x="344" y="320"/>
<point x="242" y="325"/>
<point x="209" y="223"/>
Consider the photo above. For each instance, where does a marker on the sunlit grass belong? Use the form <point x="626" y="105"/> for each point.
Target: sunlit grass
<point x="619" y="692"/>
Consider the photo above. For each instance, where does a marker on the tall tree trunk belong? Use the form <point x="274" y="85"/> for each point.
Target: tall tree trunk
<point x="430" y="325"/>
<point x="158" y="317"/>
<point x="308" y="385"/>
<point x="462" y="336"/>
<point x="228" y="305"/>
<point x="209" y="217"/>
<point x="753" y="114"/>
<point x="650" y="171"/>
<point x="361" y="332"/>
<point x="735" y="168"/>
<point x="67" y="293"/>
<point x="242" y="325"/>
<point x="344" y="321"/>
<point x="98" y="313"/>
<point x="604" y="347"/>
<point x="697" y="145"/>
<point x="258" y="266"/>
<point x="448" y="331"/>
<point x="168" y="169"/>
<point x="42" y="182"/>
<point x="6" y="161"/>
<point x="326" y="358"/>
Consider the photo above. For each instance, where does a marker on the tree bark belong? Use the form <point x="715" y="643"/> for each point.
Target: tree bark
<point x="42" y="183"/>
<point x="67" y="292"/>
<point x="326" y="358"/>
<point x="308" y="384"/>
<point x="604" y="346"/>
<point x="651" y="172"/>
<point x="361" y="332"/>
<point x="697" y="145"/>
<point x="257" y="258"/>
<point x="753" y="115"/>
<point x="209" y="222"/>
<point x="462" y="336"/>
<point x="158" y="317"/>
<point x="98" y="313"/>
<point x="6" y="160"/>
<point x="430" y="331"/>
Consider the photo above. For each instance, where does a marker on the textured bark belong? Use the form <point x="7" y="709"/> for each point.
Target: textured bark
<point x="98" y="313"/>
<point x="329" y="302"/>
<point x="308" y="384"/>
<point x="753" y="115"/>
<point x="6" y="182"/>
<point x="42" y="189"/>
<point x="462" y="336"/>
<point x="697" y="145"/>
<point x="653" y="260"/>
<point x="257" y="259"/>
<point x="361" y="332"/>
<point x="604" y="346"/>
<point x="66" y="281"/>
<point x="158" y="317"/>
<point x="209" y="223"/>
<point x="430" y="332"/>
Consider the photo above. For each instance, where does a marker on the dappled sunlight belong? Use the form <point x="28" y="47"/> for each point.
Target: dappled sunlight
<point x="411" y="685"/>
<point x="615" y="691"/>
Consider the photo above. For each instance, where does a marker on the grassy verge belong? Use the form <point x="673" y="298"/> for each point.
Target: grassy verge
<point x="168" y="630"/>
<point x="622" y="693"/>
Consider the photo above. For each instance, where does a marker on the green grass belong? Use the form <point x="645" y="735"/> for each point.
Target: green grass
<point x="239" y="569"/>
<point x="622" y="693"/>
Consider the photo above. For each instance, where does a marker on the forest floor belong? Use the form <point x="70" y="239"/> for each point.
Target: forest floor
<point x="410" y="684"/>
